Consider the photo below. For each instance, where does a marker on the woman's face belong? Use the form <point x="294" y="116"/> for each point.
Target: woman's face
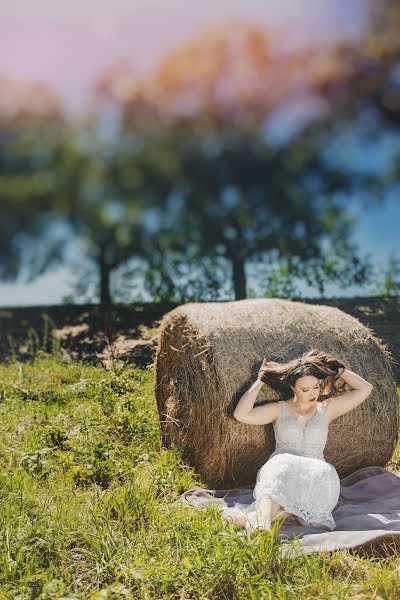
<point x="307" y="389"/>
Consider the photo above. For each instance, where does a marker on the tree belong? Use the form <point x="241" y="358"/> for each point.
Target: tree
<point x="247" y="202"/>
<point x="107" y="195"/>
<point x="226" y="178"/>
<point x="30" y="117"/>
<point x="97" y="194"/>
<point x="27" y="190"/>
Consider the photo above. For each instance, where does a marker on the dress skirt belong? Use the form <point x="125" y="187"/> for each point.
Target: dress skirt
<point x="306" y="487"/>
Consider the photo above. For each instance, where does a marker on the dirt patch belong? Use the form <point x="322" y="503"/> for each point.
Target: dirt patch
<point x="124" y="332"/>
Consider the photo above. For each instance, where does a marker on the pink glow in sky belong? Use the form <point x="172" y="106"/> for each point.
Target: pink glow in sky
<point x="67" y="44"/>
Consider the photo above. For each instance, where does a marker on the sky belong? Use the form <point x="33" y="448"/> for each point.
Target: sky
<point x="68" y="44"/>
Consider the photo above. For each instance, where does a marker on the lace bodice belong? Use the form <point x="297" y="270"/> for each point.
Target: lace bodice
<point x="294" y="437"/>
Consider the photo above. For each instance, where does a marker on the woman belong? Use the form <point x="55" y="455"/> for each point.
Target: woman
<point x="296" y="481"/>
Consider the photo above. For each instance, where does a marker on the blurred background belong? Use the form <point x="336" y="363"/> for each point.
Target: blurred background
<point x="152" y="153"/>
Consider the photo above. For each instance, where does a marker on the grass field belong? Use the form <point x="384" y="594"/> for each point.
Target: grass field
<point x="86" y="504"/>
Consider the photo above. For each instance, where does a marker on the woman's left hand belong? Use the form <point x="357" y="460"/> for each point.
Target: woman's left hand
<point x="340" y="371"/>
<point x="334" y="365"/>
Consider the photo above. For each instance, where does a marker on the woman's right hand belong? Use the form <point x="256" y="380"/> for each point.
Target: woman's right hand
<point x="262" y="369"/>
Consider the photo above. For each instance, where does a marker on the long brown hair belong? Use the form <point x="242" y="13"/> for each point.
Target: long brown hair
<point x="323" y="366"/>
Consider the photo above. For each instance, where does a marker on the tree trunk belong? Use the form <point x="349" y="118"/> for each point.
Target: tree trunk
<point x="105" y="296"/>
<point x="105" y="270"/>
<point x="239" y="277"/>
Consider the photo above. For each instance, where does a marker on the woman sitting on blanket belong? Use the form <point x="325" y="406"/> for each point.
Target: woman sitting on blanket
<point x="296" y="481"/>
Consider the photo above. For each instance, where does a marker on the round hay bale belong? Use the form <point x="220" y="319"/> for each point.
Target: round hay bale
<point x="208" y="355"/>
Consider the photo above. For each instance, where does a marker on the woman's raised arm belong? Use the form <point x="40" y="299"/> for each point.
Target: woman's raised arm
<point x="260" y="415"/>
<point x="246" y="402"/>
<point x="339" y="405"/>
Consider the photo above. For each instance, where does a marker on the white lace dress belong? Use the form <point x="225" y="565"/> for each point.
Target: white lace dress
<point x="296" y="475"/>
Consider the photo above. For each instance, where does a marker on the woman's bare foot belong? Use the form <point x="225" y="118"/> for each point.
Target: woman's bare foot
<point x="259" y="522"/>
<point x="238" y="520"/>
<point x="266" y="525"/>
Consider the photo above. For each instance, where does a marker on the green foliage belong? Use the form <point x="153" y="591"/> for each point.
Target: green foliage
<point x="145" y="201"/>
<point x="38" y="343"/>
<point x="256" y="205"/>
<point x="388" y="282"/>
<point x="87" y="504"/>
<point x="36" y="463"/>
<point x="28" y="188"/>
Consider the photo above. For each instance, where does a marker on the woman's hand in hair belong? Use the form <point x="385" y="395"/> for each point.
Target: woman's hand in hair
<point x="334" y="365"/>
<point x="340" y="371"/>
<point x="262" y="369"/>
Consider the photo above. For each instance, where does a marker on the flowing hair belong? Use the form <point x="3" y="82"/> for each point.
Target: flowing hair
<point x="323" y="366"/>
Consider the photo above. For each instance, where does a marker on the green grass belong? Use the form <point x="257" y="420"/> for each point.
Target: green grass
<point x="86" y="508"/>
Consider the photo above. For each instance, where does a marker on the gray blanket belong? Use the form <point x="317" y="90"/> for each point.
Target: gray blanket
<point x="367" y="515"/>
